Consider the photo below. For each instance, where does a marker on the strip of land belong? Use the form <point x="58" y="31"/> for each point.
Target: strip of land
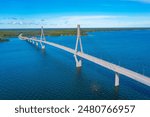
<point x="7" y="33"/>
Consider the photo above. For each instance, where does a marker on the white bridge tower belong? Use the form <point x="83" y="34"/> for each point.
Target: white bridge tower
<point x="78" y="48"/>
<point x="42" y="38"/>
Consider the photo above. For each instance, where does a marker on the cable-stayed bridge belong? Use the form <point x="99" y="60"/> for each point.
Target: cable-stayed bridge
<point x="78" y="52"/>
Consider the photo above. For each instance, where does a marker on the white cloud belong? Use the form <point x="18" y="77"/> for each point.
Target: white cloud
<point x="144" y="1"/>
<point x="72" y="21"/>
<point x="101" y="21"/>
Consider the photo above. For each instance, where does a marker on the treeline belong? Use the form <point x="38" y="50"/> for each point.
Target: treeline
<point x="7" y="33"/>
<point x="37" y="32"/>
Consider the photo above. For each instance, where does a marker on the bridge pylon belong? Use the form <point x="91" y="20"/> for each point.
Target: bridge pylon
<point x="78" y="48"/>
<point x="116" y="79"/>
<point x="42" y="38"/>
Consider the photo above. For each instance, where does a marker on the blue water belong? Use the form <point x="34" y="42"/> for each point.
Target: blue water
<point x="27" y="72"/>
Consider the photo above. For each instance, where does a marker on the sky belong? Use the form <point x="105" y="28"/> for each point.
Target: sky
<point x="69" y="13"/>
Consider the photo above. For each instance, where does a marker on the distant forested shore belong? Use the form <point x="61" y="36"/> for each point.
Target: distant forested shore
<point x="7" y="33"/>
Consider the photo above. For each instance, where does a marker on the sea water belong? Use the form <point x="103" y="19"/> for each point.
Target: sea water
<point x="28" y="72"/>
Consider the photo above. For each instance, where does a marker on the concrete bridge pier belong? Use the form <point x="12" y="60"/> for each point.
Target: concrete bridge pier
<point x="33" y="42"/>
<point x="36" y="43"/>
<point x="43" y="46"/>
<point x="116" y="79"/>
<point x="78" y="62"/>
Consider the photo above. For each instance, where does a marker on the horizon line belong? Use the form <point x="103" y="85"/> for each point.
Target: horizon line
<point x="75" y="28"/>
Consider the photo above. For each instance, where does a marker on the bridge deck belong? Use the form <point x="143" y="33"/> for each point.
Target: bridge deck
<point x="121" y="70"/>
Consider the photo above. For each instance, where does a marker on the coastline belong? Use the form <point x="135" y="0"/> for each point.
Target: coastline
<point x="7" y="33"/>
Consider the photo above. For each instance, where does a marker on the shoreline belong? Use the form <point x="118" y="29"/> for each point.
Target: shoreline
<point x="7" y="33"/>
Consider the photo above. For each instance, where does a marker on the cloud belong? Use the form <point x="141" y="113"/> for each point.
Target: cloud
<point x="42" y="20"/>
<point x="17" y="22"/>
<point x="102" y="21"/>
<point x="14" y="18"/>
<point x="143" y="1"/>
<point x="86" y="21"/>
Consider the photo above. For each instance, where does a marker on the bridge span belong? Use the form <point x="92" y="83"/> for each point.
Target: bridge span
<point x="76" y="52"/>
